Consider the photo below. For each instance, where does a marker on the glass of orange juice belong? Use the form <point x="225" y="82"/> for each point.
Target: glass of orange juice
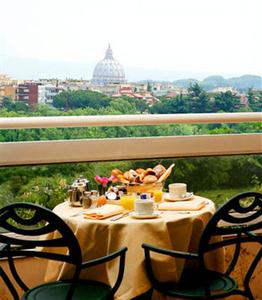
<point x="157" y="194"/>
<point x="128" y="201"/>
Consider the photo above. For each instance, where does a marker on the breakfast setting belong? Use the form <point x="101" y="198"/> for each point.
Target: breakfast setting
<point x="130" y="208"/>
<point x="137" y="194"/>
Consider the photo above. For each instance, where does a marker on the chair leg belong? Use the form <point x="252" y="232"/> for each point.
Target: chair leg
<point x="249" y="294"/>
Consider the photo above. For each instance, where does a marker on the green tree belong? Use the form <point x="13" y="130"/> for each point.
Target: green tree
<point x="21" y="106"/>
<point x="7" y="103"/>
<point x="198" y="100"/>
<point x="80" y="99"/>
<point x="140" y="104"/>
<point x="16" y="106"/>
<point x="227" y="102"/>
<point x="254" y="100"/>
<point x="195" y="90"/>
<point x="123" y="106"/>
<point x="171" y="106"/>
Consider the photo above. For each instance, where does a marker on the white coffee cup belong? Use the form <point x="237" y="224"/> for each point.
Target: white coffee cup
<point x="144" y="207"/>
<point x="177" y="190"/>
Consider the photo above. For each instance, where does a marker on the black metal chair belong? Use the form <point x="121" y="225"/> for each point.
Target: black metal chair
<point x="27" y="221"/>
<point x="237" y="221"/>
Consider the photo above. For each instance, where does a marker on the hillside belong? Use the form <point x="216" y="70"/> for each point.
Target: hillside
<point x="240" y="83"/>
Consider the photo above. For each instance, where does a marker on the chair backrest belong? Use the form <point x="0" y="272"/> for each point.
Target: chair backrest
<point x="30" y="230"/>
<point x="235" y="222"/>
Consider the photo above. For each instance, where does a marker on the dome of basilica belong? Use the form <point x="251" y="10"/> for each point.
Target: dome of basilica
<point x="108" y="70"/>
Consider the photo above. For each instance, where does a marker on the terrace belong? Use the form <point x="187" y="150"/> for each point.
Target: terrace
<point x="130" y="148"/>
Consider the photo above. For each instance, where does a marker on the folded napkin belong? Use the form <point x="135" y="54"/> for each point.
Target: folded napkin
<point x="103" y="212"/>
<point x="194" y="204"/>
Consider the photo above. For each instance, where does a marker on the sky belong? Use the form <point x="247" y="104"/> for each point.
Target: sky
<point x="157" y="38"/>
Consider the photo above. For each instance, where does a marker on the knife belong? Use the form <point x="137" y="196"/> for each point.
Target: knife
<point x="120" y="216"/>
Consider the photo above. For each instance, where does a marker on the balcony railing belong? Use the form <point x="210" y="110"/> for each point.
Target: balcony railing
<point x="44" y="152"/>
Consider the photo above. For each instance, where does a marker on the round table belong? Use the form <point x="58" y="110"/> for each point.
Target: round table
<point x="171" y="230"/>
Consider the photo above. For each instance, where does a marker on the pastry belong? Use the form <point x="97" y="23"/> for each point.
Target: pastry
<point x="149" y="179"/>
<point x="166" y="174"/>
<point x="116" y="172"/>
<point x="140" y="171"/>
<point x="126" y="175"/>
<point x="159" y="170"/>
<point x="150" y="171"/>
<point x="122" y="179"/>
<point x="141" y="176"/>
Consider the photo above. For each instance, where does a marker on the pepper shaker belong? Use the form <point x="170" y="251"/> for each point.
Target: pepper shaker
<point x="94" y="196"/>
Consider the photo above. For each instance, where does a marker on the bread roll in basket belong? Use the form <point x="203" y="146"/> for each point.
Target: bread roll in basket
<point x="143" y="181"/>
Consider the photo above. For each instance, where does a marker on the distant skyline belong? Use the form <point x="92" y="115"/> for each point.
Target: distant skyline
<point x="151" y="39"/>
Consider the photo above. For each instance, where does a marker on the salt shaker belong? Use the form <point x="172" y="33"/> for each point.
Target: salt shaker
<point x="86" y="200"/>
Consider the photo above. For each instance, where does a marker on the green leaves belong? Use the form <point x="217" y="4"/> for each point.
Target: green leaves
<point x="226" y="102"/>
<point x="80" y="99"/>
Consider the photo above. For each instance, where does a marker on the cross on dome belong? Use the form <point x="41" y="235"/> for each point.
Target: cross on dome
<point x="109" y="53"/>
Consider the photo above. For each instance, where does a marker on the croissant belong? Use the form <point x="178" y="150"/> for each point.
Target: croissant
<point x="140" y="171"/>
<point x="149" y="179"/>
<point x="131" y="177"/>
<point x="123" y="180"/>
<point x="150" y="171"/>
<point x="141" y="176"/>
<point x="116" y="172"/>
<point x="126" y="175"/>
<point x="133" y="172"/>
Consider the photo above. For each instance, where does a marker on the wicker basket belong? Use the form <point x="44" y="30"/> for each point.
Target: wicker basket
<point x="144" y="188"/>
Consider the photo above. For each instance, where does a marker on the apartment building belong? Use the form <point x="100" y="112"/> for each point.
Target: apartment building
<point x="27" y="92"/>
<point x="47" y="92"/>
<point x="7" y="91"/>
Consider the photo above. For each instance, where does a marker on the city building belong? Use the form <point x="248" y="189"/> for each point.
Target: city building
<point x="224" y="89"/>
<point x="108" y="71"/>
<point x="7" y="91"/>
<point x="74" y="84"/>
<point x="47" y="92"/>
<point x="129" y="91"/>
<point x="108" y="90"/>
<point x="5" y="80"/>
<point x="7" y="87"/>
<point x="27" y="92"/>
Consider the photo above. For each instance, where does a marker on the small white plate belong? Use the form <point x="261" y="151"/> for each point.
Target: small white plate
<point x="138" y="216"/>
<point x="168" y="197"/>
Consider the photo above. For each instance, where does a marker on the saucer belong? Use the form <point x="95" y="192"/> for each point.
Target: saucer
<point x="135" y="215"/>
<point x="168" y="197"/>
